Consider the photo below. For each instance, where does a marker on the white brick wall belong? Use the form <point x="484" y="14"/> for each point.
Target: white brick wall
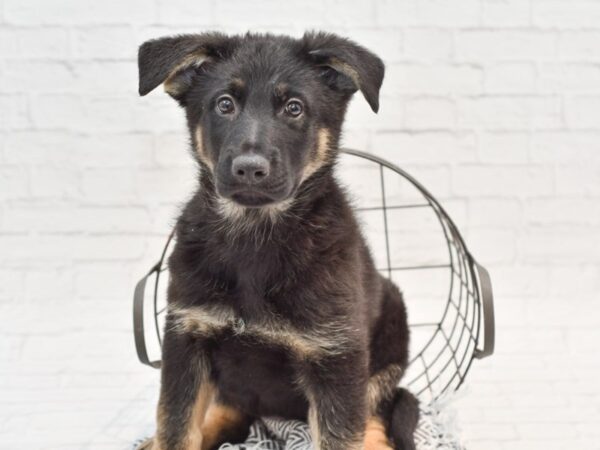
<point x="493" y="104"/>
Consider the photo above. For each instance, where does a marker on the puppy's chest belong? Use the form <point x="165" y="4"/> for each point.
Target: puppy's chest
<point x="253" y="306"/>
<point x="217" y="321"/>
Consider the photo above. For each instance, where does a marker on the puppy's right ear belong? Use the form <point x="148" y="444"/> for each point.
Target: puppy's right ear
<point x="174" y="61"/>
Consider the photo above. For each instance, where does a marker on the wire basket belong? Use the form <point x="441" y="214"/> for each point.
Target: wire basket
<point x="416" y="244"/>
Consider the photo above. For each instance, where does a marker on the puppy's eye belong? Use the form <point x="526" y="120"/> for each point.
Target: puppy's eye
<point x="225" y="105"/>
<point x="294" y="108"/>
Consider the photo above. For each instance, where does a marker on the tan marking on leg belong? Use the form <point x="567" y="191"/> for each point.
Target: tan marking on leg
<point x="219" y="419"/>
<point x="193" y="439"/>
<point x="313" y="424"/>
<point x="319" y="438"/>
<point x="375" y="436"/>
<point x="382" y="385"/>
<point x="153" y="443"/>
<point x="321" y="155"/>
<point x="201" y="150"/>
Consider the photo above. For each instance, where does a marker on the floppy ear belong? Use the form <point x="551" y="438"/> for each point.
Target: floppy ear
<point x="348" y="66"/>
<point x="175" y="60"/>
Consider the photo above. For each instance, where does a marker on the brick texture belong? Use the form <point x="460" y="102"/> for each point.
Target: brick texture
<point x="493" y="104"/>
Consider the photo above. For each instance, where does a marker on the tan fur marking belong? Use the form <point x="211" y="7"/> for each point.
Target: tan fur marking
<point x="230" y="209"/>
<point x="346" y="69"/>
<point x="219" y="418"/>
<point x="313" y="425"/>
<point x="321" y="155"/>
<point x="200" y="150"/>
<point x="192" y="439"/>
<point x="243" y="219"/>
<point x="204" y="398"/>
<point x="375" y="436"/>
<point x="382" y="385"/>
<point x="193" y="59"/>
<point x="318" y="439"/>
<point x="207" y="321"/>
<point x="238" y="83"/>
<point x="281" y="89"/>
<point x="160" y="424"/>
<point x="153" y="442"/>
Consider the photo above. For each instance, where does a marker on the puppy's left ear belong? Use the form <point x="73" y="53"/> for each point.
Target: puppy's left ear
<point x="348" y="67"/>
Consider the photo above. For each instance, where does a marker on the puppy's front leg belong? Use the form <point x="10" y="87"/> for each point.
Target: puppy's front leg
<point x="336" y="388"/>
<point x="185" y="394"/>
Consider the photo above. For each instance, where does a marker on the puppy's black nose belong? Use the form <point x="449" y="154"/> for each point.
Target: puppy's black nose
<point x="250" y="168"/>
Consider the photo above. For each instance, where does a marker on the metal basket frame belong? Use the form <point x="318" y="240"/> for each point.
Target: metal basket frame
<point x="474" y="288"/>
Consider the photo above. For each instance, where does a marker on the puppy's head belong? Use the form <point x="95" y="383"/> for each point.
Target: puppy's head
<point x="264" y="111"/>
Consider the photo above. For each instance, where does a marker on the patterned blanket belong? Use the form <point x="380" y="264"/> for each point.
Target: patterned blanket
<point x="436" y="430"/>
<point x="275" y="434"/>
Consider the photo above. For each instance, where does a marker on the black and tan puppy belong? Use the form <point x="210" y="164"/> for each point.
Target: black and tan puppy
<point x="275" y="307"/>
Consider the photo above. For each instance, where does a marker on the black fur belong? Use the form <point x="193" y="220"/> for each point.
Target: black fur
<point x="280" y="252"/>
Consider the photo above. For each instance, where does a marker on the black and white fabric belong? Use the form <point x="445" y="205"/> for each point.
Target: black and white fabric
<point x="275" y="434"/>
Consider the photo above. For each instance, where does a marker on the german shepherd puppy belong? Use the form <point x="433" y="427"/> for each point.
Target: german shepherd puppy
<point x="275" y="307"/>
